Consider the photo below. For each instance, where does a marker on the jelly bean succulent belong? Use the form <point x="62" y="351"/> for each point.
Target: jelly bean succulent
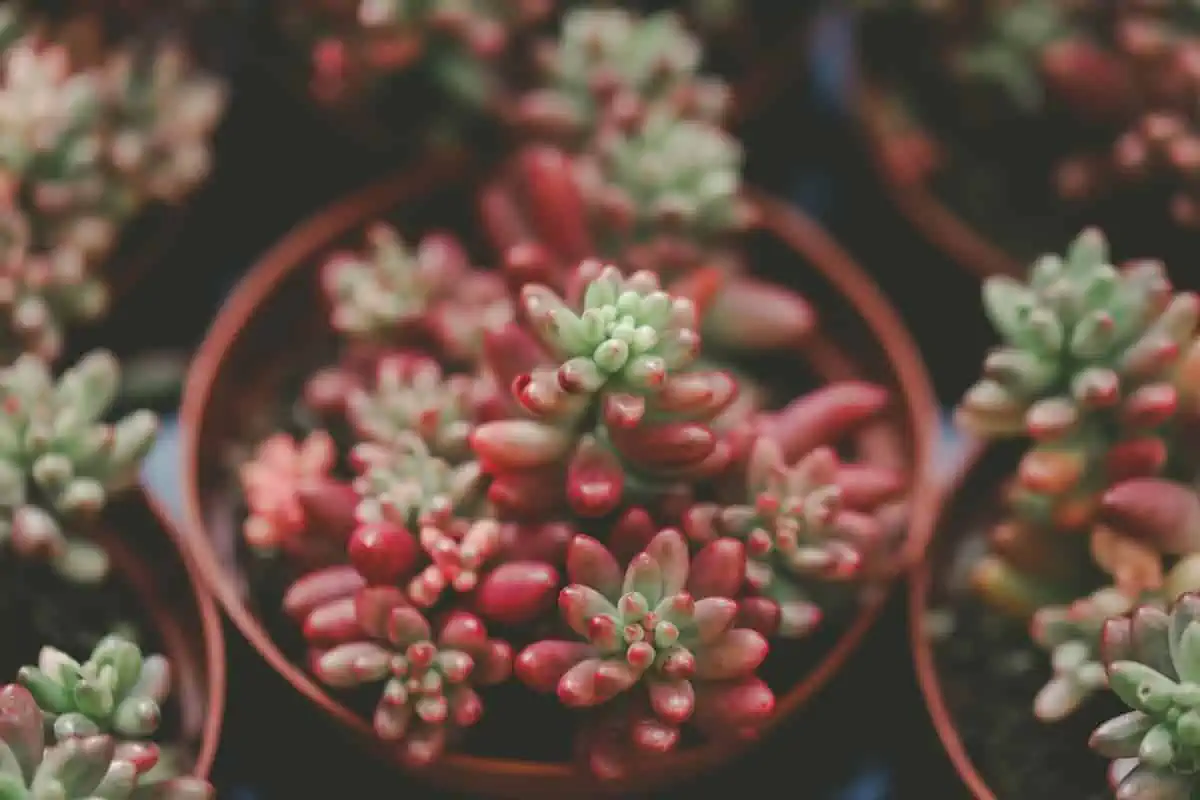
<point x="60" y="460"/>
<point x="610" y="61"/>
<point x="664" y="628"/>
<point x="84" y="149"/>
<point x="1092" y="369"/>
<point x="428" y="681"/>
<point x="391" y="292"/>
<point x="1097" y="370"/>
<point x="87" y="767"/>
<point x="1153" y="663"/>
<point x="117" y="691"/>
<point x="357" y="46"/>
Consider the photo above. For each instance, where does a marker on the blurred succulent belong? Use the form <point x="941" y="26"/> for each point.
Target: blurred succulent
<point x="1153" y="662"/>
<point x="1088" y="370"/>
<point x="294" y="504"/>
<point x="610" y="61"/>
<point x="429" y="683"/>
<point x="403" y="483"/>
<point x="76" y="768"/>
<point x="1071" y="634"/>
<point x="42" y="292"/>
<point x="662" y="190"/>
<point x="116" y="691"/>
<point x="392" y="294"/>
<point x="618" y="413"/>
<point x="166" y="111"/>
<point x="412" y="394"/>
<point x="798" y="527"/>
<point x="59" y="462"/>
<point x="666" y="626"/>
<point x="357" y="44"/>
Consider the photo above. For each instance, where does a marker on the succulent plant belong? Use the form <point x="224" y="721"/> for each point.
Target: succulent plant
<point x="78" y="767"/>
<point x="117" y="691"/>
<point x="620" y="412"/>
<point x="797" y="529"/>
<point x="610" y="61"/>
<point x="357" y="44"/>
<point x="666" y="626"/>
<point x="412" y="395"/>
<point x="1153" y="662"/>
<point x="662" y="190"/>
<point x="429" y="682"/>
<point x="59" y="462"/>
<point x="1071" y="634"/>
<point x="165" y="113"/>
<point x="392" y="294"/>
<point x="274" y="482"/>
<point x="1088" y="370"/>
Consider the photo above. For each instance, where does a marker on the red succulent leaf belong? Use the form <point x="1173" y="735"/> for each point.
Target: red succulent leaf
<point x="824" y="416"/>
<point x="318" y="588"/>
<point x="517" y="592"/>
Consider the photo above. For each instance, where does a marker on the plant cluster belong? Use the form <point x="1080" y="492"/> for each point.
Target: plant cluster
<point x="84" y="150"/>
<point x="1123" y="76"/>
<point x="1097" y="369"/>
<point x="552" y="473"/>
<point x="72" y="731"/>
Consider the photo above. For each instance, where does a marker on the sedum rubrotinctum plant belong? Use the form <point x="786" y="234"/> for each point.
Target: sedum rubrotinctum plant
<point x="1099" y="369"/>
<point x="566" y="492"/>
<point x="83" y="150"/>
<point x="83" y="731"/>
<point x="1123" y="75"/>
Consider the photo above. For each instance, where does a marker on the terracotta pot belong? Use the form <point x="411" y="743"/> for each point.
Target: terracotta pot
<point x="152" y="586"/>
<point x="970" y="503"/>
<point x="763" y="61"/>
<point x="900" y="161"/>
<point x="274" y="310"/>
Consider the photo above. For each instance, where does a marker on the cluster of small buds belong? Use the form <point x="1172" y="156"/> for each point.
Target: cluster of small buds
<point x="610" y="62"/>
<point x="58" y="461"/>
<point x="392" y="293"/>
<point x="273" y="482"/>
<point x="77" y="767"/>
<point x="83" y="150"/>
<point x="457" y="551"/>
<point x="412" y="394"/>
<point x="428" y="681"/>
<point x="165" y="114"/>
<point x="1153" y="662"/>
<point x="403" y="483"/>
<point x="116" y="691"/>
<point x="662" y="189"/>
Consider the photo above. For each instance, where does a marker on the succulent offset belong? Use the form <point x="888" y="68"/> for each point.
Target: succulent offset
<point x="611" y="62"/>
<point x="77" y="767"/>
<point x="117" y="691"/>
<point x="60" y="459"/>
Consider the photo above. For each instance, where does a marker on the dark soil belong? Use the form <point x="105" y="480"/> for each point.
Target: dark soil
<point x="990" y="672"/>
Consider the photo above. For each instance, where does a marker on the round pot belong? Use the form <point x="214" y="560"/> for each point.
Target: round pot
<point x="150" y="586"/>
<point x="981" y="209"/>
<point x="979" y="670"/>
<point x="274" y="310"/>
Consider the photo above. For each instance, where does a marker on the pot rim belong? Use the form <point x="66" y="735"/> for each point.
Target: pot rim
<point x="792" y="227"/>
<point x="937" y="222"/>
<point x="211" y="630"/>
<point x="919" y="585"/>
